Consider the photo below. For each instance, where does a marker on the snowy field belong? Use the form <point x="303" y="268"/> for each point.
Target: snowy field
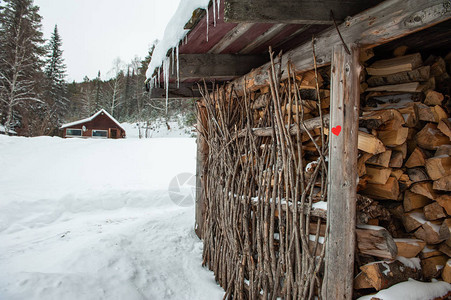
<point x="92" y="219"/>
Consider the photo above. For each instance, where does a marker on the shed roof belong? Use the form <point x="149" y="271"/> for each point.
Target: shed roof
<point x="92" y="118"/>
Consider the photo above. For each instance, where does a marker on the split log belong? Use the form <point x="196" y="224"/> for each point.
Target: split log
<point x="397" y="173"/>
<point x="361" y="167"/>
<point x="416" y="159"/>
<point x="432" y="267"/>
<point x="409" y="247"/>
<point x="430" y="233"/>
<point x="368" y="209"/>
<point x="434" y="211"/>
<point x="387" y="191"/>
<point x="420" y="74"/>
<point x="382" y="275"/>
<point x="413" y="220"/>
<point x="443" y="150"/>
<point x="395" y="65"/>
<point x="392" y="138"/>
<point x="431" y="113"/>
<point x="445" y="229"/>
<point x="431" y="138"/>
<point x="433" y="98"/>
<point x="375" y="241"/>
<point x="378" y="175"/>
<point x="396" y="159"/>
<point x="445" y="202"/>
<point x="362" y="282"/>
<point x="369" y="143"/>
<point x="381" y="159"/>
<point x="446" y="273"/>
<point x="425" y="189"/>
<point x="418" y="175"/>
<point x="445" y="249"/>
<point x="375" y="119"/>
<point x="445" y="126"/>
<point x="438" y="167"/>
<point x="413" y="201"/>
<point x="438" y="65"/>
<point x="443" y="184"/>
<point x="404" y="182"/>
<point x="402" y="148"/>
<point x="430" y="251"/>
<point x="411" y="87"/>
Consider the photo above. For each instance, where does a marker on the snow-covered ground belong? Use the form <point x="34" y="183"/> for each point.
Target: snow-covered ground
<point x="92" y="219"/>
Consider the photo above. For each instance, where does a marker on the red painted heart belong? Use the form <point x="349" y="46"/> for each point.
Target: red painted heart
<point x="336" y="130"/>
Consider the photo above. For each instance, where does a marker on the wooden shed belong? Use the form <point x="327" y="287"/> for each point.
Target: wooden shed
<point x="324" y="160"/>
<point x="99" y="125"/>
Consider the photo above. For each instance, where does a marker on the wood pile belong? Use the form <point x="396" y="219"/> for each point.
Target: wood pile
<point x="404" y="170"/>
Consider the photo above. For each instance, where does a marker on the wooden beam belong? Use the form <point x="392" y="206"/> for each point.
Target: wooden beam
<point x="201" y="157"/>
<point x="231" y="37"/>
<point x="183" y="91"/>
<point x="341" y="203"/>
<point x="383" y="23"/>
<point x="217" y="66"/>
<point x="293" y="12"/>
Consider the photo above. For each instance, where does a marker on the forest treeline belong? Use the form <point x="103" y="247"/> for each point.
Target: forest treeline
<point x="36" y="99"/>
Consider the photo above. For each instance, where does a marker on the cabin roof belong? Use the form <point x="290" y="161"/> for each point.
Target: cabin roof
<point x="92" y="118"/>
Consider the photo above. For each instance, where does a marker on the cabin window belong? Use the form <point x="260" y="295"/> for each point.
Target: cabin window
<point x="100" y="133"/>
<point x="73" y="132"/>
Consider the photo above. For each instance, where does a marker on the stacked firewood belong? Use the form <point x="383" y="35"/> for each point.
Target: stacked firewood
<point x="404" y="170"/>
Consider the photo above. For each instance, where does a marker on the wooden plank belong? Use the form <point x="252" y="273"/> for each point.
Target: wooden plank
<point x="230" y="37"/>
<point x="201" y="157"/>
<point x="342" y="196"/>
<point x="263" y="38"/>
<point x="183" y="91"/>
<point x="194" y="66"/>
<point x="294" y="12"/>
<point x="383" y="23"/>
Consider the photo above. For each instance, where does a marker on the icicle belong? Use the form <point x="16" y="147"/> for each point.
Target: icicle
<point x="178" y="66"/>
<point x="166" y="63"/>
<point x="172" y="65"/>
<point x="207" y="24"/>
<point x="214" y="12"/>
<point x="219" y="6"/>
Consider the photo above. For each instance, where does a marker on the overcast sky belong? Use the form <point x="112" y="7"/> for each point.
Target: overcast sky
<point x="96" y="32"/>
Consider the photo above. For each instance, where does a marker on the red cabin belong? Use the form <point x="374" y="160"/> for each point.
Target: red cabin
<point x="99" y="125"/>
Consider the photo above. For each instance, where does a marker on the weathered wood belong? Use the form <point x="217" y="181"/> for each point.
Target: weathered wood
<point x="409" y="247"/>
<point x="378" y="175"/>
<point x="375" y="241"/>
<point x="443" y="184"/>
<point x="445" y="127"/>
<point x="413" y="220"/>
<point x="396" y="159"/>
<point x="425" y="189"/>
<point x="378" y="25"/>
<point x="445" y="202"/>
<point x="174" y="92"/>
<point x="443" y="150"/>
<point x="417" y="175"/>
<point x="430" y="233"/>
<point x="395" y="65"/>
<point x="413" y="201"/>
<point x="434" y="211"/>
<point x="381" y="159"/>
<point x="294" y="12"/>
<point x="231" y="37"/>
<point x="420" y="74"/>
<point x="342" y="179"/>
<point x="433" y="98"/>
<point x="383" y="274"/>
<point x="217" y="66"/>
<point x="446" y="273"/>
<point x="438" y="167"/>
<point x="430" y="137"/>
<point x="369" y="143"/>
<point x="387" y="191"/>
<point x="392" y="138"/>
<point x="416" y="159"/>
<point x="432" y="267"/>
<point x="202" y="152"/>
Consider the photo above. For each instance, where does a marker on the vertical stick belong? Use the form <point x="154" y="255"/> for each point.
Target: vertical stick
<point x="200" y="159"/>
<point x="338" y="283"/>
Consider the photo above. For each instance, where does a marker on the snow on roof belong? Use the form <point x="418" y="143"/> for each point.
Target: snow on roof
<point x="175" y="31"/>
<point x="3" y="129"/>
<point x="92" y="118"/>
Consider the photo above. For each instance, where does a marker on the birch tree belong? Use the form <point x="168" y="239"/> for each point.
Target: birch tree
<point x="20" y="51"/>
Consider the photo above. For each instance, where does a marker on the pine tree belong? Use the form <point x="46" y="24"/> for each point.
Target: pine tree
<point x="20" y="64"/>
<point x="55" y="71"/>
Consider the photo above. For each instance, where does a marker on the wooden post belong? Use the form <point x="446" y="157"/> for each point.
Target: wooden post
<point x="344" y="114"/>
<point x="200" y="159"/>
